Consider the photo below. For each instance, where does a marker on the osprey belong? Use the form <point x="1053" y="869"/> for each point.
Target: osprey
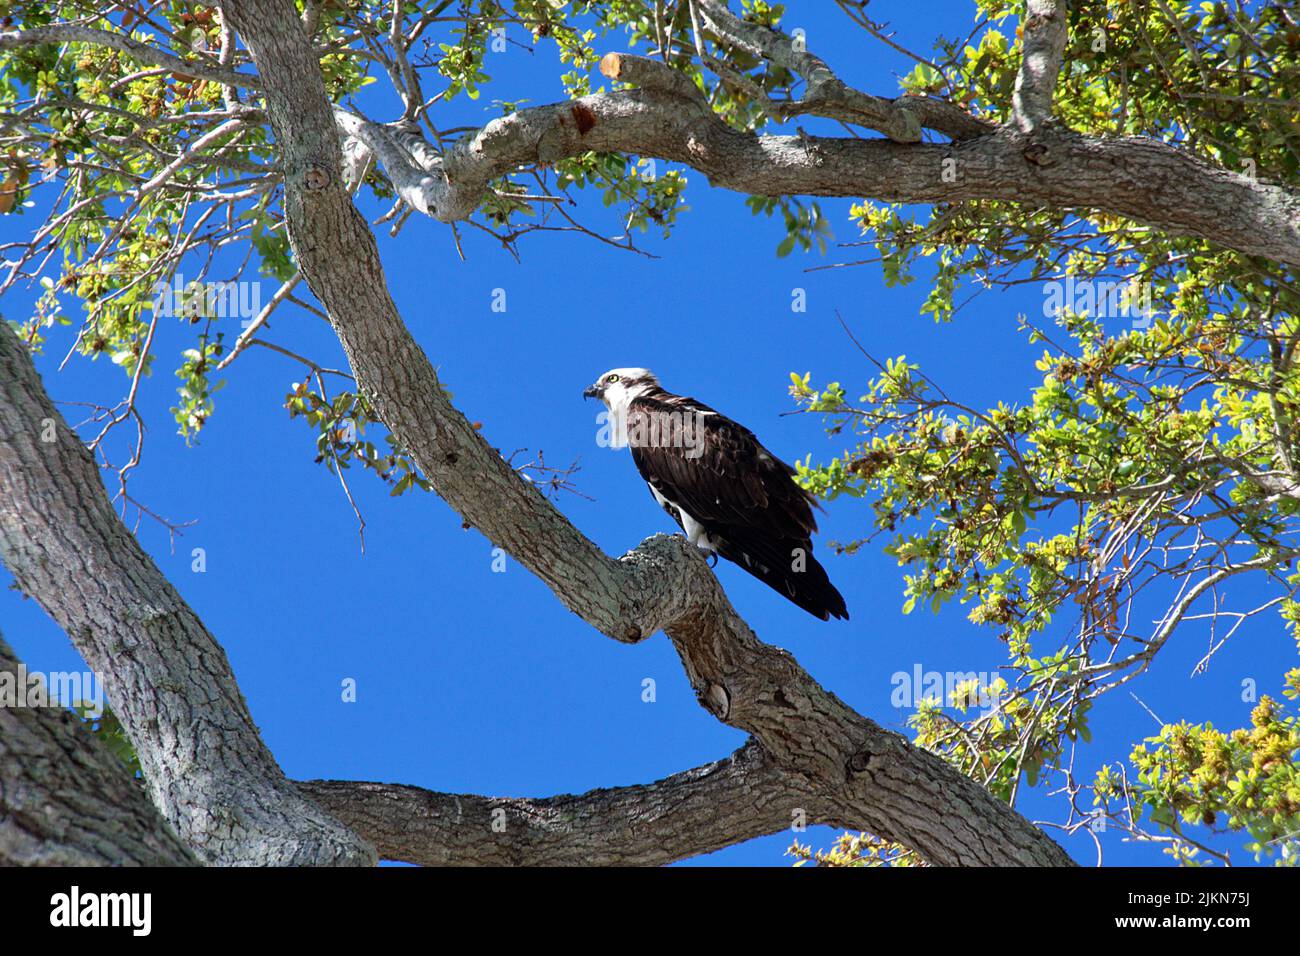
<point x="730" y="495"/>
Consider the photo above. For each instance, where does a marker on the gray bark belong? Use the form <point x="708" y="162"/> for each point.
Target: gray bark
<point x="66" y="801"/>
<point x="825" y="93"/>
<point x="696" y="811"/>
<point x="166" y="678"/>
<point x="1044" y="34"/>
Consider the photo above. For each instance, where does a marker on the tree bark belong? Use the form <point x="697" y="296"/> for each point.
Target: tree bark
<point x="1044" y="34"/>
<point x="696" y="811"/>
<point x="66" y="801"/>
<point x="167" y="679"/>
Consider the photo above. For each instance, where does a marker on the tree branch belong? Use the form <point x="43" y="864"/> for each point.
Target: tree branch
<point x="1043" y="35"/>
<point x="871" y="775"/>
<point x="1135" y="177"/>
<point x="65" y="800"/>
<point x="826" y="95"/>
<point x="168" y="680"/>
<point x="692" y="812"/>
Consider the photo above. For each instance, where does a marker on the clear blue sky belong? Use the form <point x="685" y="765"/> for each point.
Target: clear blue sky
<point x="474" y="681"/>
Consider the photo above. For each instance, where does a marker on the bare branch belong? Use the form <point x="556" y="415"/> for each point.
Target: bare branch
<point x="692" y="812"/>
<point x="1043" y="35"/>
<point x="1135" y="177"/>
<point x="246" y="337"/>
<point x="826" y="94"/>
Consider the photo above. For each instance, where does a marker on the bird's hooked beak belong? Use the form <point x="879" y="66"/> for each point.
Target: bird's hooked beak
<point x="593" y="391"/>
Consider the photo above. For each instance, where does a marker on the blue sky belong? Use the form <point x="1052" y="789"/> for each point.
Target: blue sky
<point x="475" y="681"/>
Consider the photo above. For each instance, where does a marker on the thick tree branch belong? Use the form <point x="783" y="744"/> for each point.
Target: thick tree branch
<point x="870" y="775"/>
<point x="1043" y="35"/>
<point x="167" y="679"/>
<point x="901" y="119"/>
<point x="1280" y="484"/>
<point x="65" y="800"/>
<point x="420" y="189"/>
<point x="697" y="811"/>
<point x="1135" y="177"/>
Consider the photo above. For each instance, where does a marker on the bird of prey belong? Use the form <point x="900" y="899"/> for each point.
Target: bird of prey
<point x="730" y="495"/>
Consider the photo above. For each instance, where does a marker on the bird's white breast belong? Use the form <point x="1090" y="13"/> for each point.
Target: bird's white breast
<point x="694" y="530"/>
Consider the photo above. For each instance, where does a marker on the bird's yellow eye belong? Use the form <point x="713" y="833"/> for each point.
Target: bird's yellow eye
<point x="611" y="379"/>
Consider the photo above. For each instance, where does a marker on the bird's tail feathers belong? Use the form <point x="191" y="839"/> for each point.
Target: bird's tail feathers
<point x="788" y="567"/>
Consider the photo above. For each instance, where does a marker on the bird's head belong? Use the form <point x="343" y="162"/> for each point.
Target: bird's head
<point x="618" y="385"/>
